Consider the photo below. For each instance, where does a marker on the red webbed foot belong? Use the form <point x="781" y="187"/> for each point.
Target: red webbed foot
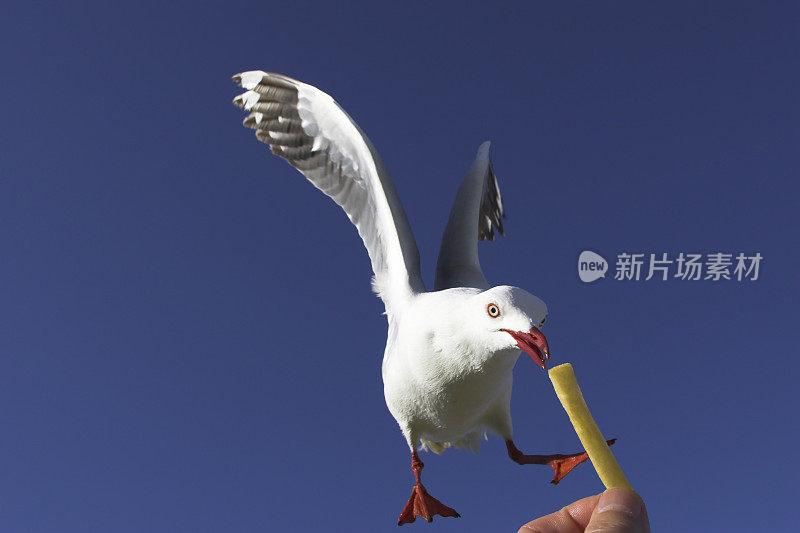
<point x="561" y="464"/>
<point x="421" y="503"/>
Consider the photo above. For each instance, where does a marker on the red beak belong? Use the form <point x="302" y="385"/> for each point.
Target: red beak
<point x="533" y="343"/>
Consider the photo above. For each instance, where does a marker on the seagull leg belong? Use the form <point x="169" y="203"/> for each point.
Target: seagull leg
<point x="421" y="503"/>
<point x="561" y="464"/>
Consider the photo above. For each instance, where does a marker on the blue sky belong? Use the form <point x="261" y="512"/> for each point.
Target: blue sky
<point x="188" y="338"/>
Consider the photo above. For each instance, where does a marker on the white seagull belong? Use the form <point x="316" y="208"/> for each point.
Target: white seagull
<point x="447" y="367"/>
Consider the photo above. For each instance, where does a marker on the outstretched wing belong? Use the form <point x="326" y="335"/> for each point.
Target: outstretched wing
<point x="477" y="211"/>
<point x="307" y="127"/>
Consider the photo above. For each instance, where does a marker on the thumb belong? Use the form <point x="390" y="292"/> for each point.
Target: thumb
<point x="619" y="511"/>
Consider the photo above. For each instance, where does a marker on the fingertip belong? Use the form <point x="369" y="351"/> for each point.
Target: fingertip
<point x="621" y="500"/>
<point x="621" y="510"/>
<point x="581" y="510"/>
<point x="570" y="519"/>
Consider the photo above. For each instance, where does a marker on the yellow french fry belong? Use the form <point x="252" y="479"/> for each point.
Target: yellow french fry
<point x="569" y="393"/>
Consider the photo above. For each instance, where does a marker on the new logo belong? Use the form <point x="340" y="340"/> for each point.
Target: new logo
<point x="591" y="266"/>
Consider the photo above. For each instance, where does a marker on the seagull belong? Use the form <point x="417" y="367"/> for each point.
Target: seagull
<point x="447" y="366"/>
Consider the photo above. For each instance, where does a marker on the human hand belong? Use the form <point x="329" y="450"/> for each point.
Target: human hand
<point x="614" y="511"/>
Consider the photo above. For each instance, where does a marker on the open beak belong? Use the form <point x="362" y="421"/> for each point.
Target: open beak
<point x="532" y="343"/>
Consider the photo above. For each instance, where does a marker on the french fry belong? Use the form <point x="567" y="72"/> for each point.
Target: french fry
<point x="569" y="393"/>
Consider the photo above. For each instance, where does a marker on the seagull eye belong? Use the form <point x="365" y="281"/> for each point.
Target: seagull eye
<point x="492" y="310"/>
<point x="542" y="322"/>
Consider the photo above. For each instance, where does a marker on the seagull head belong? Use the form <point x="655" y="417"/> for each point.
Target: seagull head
<point x="512" y="318"/>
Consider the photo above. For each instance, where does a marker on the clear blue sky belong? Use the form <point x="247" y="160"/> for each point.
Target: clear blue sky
<point x="188" y="339"/>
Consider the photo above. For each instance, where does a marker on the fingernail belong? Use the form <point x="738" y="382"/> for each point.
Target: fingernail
<point x="621" y="500"/>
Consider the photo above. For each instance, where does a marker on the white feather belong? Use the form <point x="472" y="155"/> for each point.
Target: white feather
<point x="337" y="157"/>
